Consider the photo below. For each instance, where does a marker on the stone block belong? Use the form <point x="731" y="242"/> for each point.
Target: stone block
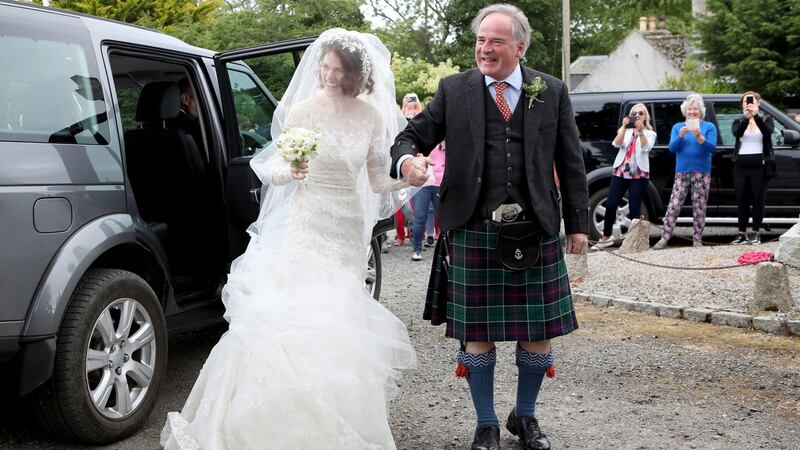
<point x="637" y="239"/>
<point x="603" y="301"/>
<point x="770" y="324"/>
<point x="579" y="296"/>
<point x="624" y="303"/>
<point x="670" y="311"/>
<point x="646" y="308"/>
<point x="793" y="326"/>
<point x="577" y="265"/>
<point x="732" y="319"/>
<point x="772" y="291"/>
<point x="789" y="246"/>
<point x="697" y="314"/>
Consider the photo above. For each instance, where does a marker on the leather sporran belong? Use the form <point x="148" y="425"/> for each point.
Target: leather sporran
<point x="518" y="245"/>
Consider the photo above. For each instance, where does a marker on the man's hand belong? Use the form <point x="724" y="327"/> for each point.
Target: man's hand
<point x="300" y="171"/>
<point x="576" y="243"/>
<point x="415" y="169"/>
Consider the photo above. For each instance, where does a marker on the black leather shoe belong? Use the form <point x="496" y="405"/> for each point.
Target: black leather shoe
<point x="486" y="438"/>
<point x="527" y="429"/>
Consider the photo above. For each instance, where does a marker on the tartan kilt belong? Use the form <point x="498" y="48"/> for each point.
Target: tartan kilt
<point x="489" y="302"/>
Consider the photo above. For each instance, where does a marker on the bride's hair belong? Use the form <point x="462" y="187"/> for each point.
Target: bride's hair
<point x="355" y="61"/>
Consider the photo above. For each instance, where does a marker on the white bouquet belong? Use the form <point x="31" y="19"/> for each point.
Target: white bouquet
<point x="297" y="145"/>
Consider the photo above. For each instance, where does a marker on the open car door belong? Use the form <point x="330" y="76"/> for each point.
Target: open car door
<point x="250" y="82"/>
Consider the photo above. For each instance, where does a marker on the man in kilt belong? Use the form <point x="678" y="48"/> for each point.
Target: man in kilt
<point x="508" y="129"/>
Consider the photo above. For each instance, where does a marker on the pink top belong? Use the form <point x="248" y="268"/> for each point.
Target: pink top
<point x="437" y="155"/>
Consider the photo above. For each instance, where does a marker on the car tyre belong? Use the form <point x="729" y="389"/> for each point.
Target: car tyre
<point x="597" y="203"/>
<point x="374" y="269"/>
<point x="64" y="404"/>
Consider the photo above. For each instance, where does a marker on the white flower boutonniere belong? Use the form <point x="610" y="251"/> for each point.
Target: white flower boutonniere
<point x="533" y="89"/>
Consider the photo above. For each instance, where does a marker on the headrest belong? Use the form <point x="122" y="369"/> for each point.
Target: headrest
<point x="159" y="100"/>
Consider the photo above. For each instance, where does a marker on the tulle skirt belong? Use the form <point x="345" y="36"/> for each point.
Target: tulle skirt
<point x="309" y="360"/>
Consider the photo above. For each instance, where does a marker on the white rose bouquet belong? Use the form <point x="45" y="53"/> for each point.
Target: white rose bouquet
<point x="297" y="145"/>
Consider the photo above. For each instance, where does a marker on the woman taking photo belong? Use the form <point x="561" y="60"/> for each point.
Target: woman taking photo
<point x="753" y="165"/>
<point x="631" y="169"/>
<point x="693" y="142"/>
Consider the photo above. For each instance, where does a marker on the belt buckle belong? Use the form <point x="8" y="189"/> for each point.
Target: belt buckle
<point x="506" y="213"/>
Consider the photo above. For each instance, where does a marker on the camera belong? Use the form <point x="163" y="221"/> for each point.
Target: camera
<point x="632" y="121"/>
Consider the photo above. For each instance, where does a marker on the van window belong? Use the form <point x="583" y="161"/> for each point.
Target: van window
<point x="727" y="112"/>
<point x="596" y="122"/>
<point x="254" y="110"/>
<point x="665" y="115"/>
<point x="50" y="89"/>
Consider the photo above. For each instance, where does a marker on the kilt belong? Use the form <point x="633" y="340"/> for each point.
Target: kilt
<point x="489" y="302"/>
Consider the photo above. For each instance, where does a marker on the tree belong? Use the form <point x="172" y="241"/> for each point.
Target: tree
<point x="755" y="45"/>
<point x="163" y="15"/>
<point x="414" y="75"/>
<point x="412" y="28"/>
<point x="696" y="77"/>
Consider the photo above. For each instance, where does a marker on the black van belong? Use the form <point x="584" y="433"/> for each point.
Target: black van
<point x="599" y="115"/>
<point x="119" y="222"/>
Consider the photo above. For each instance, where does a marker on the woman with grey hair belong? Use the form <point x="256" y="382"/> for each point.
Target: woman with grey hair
<point x="693" y="142"/>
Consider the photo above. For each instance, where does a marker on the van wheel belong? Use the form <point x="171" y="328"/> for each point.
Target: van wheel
<point x="597" y="208"/>
<point x="374" y="269"/>
<point x="110" y="360"/>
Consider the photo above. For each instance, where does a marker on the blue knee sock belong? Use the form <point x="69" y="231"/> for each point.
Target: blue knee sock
<point x="532" y="368"/>
<point x="481" y="384"/>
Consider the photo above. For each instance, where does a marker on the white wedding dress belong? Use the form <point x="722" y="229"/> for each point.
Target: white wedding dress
<point x="310" y="359"/>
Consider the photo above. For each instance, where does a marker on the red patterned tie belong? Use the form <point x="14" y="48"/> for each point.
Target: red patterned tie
<point x="499" y="88"/>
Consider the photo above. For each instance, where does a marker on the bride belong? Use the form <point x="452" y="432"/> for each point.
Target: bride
<point x="310" y="359"/>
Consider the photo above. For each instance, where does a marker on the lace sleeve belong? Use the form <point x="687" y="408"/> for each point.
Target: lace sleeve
<point x="378" y="162"/>
<point x="271" y="168"/>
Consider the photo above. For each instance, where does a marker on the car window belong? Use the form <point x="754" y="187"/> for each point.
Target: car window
<point x="596" y="122"/>
<point x="49" y="86"/>
<point x="727" y="112"/>
<point x="665" y="115"/>
<point x="254" y="112"/>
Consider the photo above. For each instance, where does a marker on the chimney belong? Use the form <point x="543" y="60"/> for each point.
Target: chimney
<point x="662" y="23"/>
<point x="651" y="23"/>
<point x="642" y="24"/>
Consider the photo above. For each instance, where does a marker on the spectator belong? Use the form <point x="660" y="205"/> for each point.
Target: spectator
<point x="426" y="196"/>
<point x="411" y="107"/>
<point x="631" y="170"/>
<point x="753" y="165"/>
<point x="693" y="142"/>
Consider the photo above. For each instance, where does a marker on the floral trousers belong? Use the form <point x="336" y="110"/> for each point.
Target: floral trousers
<point x="700" y="183"/>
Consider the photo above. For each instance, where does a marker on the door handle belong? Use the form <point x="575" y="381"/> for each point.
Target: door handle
<point x="255" y="196"/>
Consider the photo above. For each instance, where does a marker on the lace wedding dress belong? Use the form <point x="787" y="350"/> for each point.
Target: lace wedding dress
<point x="310" y="358"/>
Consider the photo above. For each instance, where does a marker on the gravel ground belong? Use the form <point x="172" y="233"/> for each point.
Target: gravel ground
<point x="624" y="380"/>
<point x="729" y="289"/>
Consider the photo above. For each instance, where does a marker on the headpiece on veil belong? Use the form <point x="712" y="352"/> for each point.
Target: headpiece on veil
<point x="348" y="43"/>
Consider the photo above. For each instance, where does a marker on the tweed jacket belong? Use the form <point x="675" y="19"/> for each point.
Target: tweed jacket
<point x="457" y="115"/>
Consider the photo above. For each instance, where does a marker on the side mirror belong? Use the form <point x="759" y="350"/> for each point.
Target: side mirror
<point x="791" y="137"/>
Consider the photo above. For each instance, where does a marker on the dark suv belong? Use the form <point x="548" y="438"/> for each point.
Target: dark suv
<point x="598" y="116"/>
<point x="119" y="217"/>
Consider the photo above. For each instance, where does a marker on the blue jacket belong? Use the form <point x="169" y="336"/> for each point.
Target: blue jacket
<point x="690" y="156"/>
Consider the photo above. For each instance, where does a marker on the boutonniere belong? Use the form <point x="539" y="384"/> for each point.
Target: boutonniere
<point x="533" y="89"/>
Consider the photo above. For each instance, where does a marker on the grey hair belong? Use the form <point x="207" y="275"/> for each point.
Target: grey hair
<point x="694" y="98"/>
<point x="520" y="27"/>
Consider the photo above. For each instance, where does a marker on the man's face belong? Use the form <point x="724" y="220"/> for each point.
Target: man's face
<point x="497" y="53"/>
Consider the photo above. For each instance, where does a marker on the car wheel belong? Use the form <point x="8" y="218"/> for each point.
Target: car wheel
<point x="110" y="360"/>
<point x="597" y="208"/>
<point x="374" y="269"/>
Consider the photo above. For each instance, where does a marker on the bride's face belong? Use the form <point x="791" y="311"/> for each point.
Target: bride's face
<point x="331" y="73"/>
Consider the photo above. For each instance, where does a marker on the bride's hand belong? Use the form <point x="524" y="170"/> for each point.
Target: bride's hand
<point x="300" y="171"/>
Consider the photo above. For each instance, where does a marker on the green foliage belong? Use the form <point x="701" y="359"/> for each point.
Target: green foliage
<point x="163" y="15"/>
<point x="412" y="28"/>
<point x="697" y="78"/>
<point x="415" y="75"/>
<point x="755" y="45"/>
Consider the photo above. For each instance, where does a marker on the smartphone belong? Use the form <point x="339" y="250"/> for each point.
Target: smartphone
<point x="749" y="99"/>
<point x="692" y="123"/>
<point x="411" y="98"/>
